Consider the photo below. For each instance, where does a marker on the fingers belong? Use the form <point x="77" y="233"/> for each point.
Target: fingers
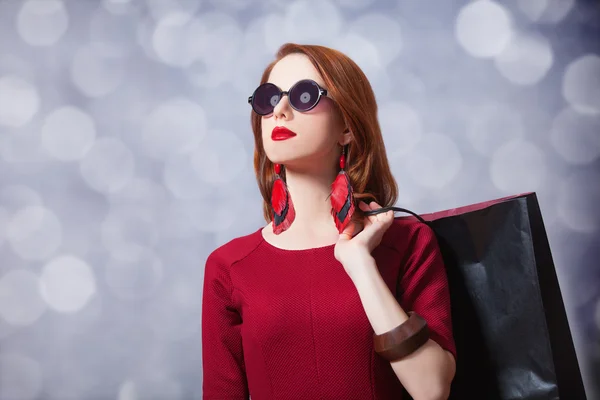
<point x="345" y="236"/>
<point x="351" y="230"/>
<point x="383" y="217"/>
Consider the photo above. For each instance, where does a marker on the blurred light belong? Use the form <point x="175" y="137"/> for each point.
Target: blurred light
<point x="128" y="391"/>
<point x="253" y="58"/>
<point x="215" y="46"/>
<point x="546" y="10"/>
<point x="12" y="65"/>
<point x="435" y="161"/>
<point x="144" y="33"/>
<point x="114" y="26"/>
<point x="578" y="201"/>
<point x="153" y="385"/>
<point x="382" y="31"/>
<point x="491" y="125"/>
<point x="354" y="4"/>
<point x="21" y="377"/>
<point x="142" y="193"/>
<point x="219" y="158"/>
<point x="483" y="28"/>
<point x="411" y="85"/>
<point x="42" y="22"/>
<point x="182" y="180"/>
<point x="22" y="150"/>
<point x="15" y="197"/>
<point x="251" y="209"/>
<point x="118" y="7"/>
<point x="171" y="40"/>
<point x="175" y="126"/>
<point x="226" y="104"/>
<point x="401" y="127"/>
<point x="533" y="8"/>
<point x="307" y="21"/>
<point x="173" y="315"/>
<point x="4" y="216"/>
<point x="135" y="279"/>
<point x="363" y="52"/>
<point x="518" y="166"/>
<point x="581" y="83"/>
<point x="160" y="8"/>
<point x="20" y="303"/>
<point x="108" y="166"/>
<point x="576" y="136"/>
<point x="231" y="6"/>
<point x="67" y="284"/>
<point x="7" y="330"/>
<point x="86" y="320"/>
<point x="275" y="34"/>
<point x="175" y="221"/>
<point x="68" y="133"/>
<point x="215" y="213"/>
<point x="526" y="60"/>
<point x="68" y="380"/>
<point x="19" y="101"/>
<point x="97" y="70"/>
<point x="128" y="231"/>
<point x="34" y="233"/>
<point x="199" y="74"/>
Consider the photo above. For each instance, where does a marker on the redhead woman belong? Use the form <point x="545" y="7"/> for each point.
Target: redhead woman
<point x="334" y="298"/>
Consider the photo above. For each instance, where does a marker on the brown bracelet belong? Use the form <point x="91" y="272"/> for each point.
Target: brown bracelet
<point x="403" y="339"/>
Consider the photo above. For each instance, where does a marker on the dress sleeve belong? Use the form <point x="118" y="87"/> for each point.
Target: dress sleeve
<point x="224" y="375"/>
<point x="424" y="287"/>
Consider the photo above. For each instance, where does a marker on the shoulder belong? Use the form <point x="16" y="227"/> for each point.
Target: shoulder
<point x="236" y="249"/>
<point x="408" y="234"/>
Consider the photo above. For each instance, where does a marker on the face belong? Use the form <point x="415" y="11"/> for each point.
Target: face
<point x="319" y="131"/>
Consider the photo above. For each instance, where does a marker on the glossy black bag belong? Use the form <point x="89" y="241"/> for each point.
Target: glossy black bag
<point x="510" y="326"/>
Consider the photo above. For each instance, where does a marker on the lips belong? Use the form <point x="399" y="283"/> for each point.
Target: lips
<point x="281" y="133"/>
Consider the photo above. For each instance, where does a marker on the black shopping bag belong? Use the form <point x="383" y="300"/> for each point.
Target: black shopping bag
<point x="511" y="330"/>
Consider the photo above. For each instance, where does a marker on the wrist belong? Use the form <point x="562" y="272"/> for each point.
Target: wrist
<point x="361" y="267"/>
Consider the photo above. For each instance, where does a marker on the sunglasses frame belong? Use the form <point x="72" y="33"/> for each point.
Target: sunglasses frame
<point x="322" y="93"/>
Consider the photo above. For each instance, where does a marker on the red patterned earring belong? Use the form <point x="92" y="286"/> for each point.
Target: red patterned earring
<point x="281" y="204"/>
<point x="342" y="196"/>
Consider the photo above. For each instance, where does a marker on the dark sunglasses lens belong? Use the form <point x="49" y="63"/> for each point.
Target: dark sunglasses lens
<point x="304" y="95"/>
<point x="265" y="99"/>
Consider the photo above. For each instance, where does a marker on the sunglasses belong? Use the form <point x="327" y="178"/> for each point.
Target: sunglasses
<point x="303" y="96"/>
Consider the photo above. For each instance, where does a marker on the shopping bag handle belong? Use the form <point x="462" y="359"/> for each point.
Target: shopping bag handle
<point x="404" y="210"/>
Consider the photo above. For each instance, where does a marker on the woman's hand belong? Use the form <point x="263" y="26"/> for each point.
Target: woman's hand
<point x="357" y="241"/>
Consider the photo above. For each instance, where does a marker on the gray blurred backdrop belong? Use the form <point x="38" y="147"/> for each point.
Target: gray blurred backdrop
<point x="126" y="158"/>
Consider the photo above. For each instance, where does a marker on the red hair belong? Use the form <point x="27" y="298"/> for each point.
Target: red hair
<point x="367" y="165"/>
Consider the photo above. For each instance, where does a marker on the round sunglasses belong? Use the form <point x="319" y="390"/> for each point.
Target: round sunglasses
<point x="303" y="96"/>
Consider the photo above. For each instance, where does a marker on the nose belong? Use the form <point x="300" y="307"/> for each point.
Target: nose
<point x="283" y="109"/>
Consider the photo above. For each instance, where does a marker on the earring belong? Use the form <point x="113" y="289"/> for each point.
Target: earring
<point x="342" y="196"/>
<point x="281" y="203"/>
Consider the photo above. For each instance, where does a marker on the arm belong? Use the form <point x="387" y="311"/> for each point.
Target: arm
<point x="224" y="374"/>
<point x="428" y="372"/>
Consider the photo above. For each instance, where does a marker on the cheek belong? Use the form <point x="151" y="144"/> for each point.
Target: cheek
<point x="267" y="125"/>
<point x="329" y="114"/>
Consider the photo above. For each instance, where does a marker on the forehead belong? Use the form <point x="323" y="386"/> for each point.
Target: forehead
<point x="292" y="68"/>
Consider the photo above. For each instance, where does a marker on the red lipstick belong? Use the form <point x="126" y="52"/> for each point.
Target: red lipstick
<point x="281" y="133"/>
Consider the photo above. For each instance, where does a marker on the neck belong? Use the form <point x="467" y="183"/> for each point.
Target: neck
<point x="310" y="190"/>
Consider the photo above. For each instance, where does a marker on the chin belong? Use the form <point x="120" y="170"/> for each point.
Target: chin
<point x="281" y="152"/>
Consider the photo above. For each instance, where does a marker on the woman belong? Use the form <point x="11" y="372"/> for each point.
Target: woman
<point x="306" y="307"/>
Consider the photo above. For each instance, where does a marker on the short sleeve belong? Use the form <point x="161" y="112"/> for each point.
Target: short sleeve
<point x="224" y="375"/>
<point x="424" y="286"/>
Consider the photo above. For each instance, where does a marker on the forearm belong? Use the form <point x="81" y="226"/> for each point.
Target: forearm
<point x="426" y="373"/>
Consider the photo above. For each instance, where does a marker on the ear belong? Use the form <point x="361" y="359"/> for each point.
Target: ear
<point x="345" y="137"/>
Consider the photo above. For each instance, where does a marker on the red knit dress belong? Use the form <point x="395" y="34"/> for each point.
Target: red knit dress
<point x="289" y="324"/>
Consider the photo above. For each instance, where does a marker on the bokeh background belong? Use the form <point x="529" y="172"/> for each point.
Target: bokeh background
<point x="126" y="158"/>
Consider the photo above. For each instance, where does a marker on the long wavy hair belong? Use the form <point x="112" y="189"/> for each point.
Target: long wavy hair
<point x="367" y="164"/>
